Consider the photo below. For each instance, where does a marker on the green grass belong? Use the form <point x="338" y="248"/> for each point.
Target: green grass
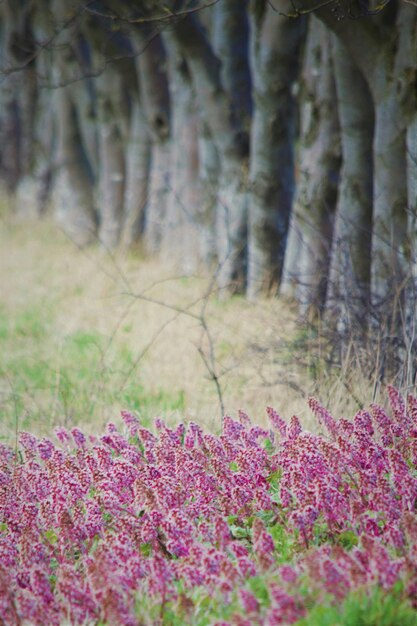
<point x="377" y="608"/>
<point x="80" y="378"/>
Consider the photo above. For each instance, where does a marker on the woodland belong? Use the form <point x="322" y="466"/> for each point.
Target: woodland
<point x="272" y="142"/>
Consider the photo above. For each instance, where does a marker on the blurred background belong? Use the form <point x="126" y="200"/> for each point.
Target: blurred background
<point x="205" y="207"/>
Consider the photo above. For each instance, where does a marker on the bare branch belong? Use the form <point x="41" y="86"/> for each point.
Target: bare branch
<point x="45" y="45"/>
<point x="167" y="16"/>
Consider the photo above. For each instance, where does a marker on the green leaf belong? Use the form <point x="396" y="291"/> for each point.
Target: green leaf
<point x="348" y="539"/>
<point x="269" y="446"/>
<point x="146" y="549"/>
<point x="51" y="536"/>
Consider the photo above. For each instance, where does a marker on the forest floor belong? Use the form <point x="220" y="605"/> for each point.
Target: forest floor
<point x="85" y="334"/>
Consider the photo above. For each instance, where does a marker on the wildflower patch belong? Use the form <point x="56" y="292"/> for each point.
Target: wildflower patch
<point x="181" y="526"/>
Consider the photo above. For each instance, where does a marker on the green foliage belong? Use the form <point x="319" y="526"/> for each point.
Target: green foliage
<point x="285" y="543"/>
<point x="194" y="607"/>
<point x="376" y="608"/>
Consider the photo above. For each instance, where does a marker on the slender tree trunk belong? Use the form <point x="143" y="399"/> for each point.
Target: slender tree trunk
<point x="230" y="37"/>
<point x="72" y="195"/>
<point x="73" y="183"/>
<point x="111" y="181"/>
<point x="137" y="174"/>
<point x="275" y="53"/>
<point x="348" y="292"/>
<point x="407" y="96"/>
<point x="45" y="122"/>
<point x="150" y="65"/>
<point x="18" y="47"/>
<point x="111" y="184"/>
<point x="45" y="140"/>
<point x="412" y="191"/>
<point x="86" y="98"/>
<point x="309" y="242"/>
<point x="12" y="128"/>
<point x="209" y="161"/>
<point x="411" y="302"/>
<point x="26" y="189"/>
<point x="181" y="235"/>
<point x="389" y="275"/>
<point x="208" y="155"/>
<point x="390" y="190"/>
<point x="9" y="133"/>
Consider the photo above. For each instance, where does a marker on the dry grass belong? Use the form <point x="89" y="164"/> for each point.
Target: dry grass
<point x="261" y="355"/>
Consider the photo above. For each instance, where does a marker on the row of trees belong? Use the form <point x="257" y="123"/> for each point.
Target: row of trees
<point x="274" y="140"/>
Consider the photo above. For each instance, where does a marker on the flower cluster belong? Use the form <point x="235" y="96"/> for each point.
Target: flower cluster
<point x="131" y="527"/>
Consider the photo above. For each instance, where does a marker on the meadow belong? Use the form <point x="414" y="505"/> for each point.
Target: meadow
<point x="135" y="489"/>
<point x="85" y="334"/>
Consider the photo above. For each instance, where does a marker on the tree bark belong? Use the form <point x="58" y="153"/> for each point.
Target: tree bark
<point x="230" y="36"/>
<point x="309" y="242"/>
<point x="18" y="94"/>
<point x="217" y="110"/>
<point x="138" y="153"/>
<point x="150" y="66"/>
<point x="111" y="182"/>
<point x="181" y="233"/>
<point x="407" y="96"/>
<point x="209" y="173"/>
<point x="45" y="124"/>
<point x="72" y="196"/>
<point x="348" y="291"/>
<point x="9" y="134"/>
<point x="276" y="43"/>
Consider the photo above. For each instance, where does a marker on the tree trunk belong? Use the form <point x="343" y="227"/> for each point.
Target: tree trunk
<point x="73" y="183"/>
<point x="411" y="300"/>
<point x="209" y="161"/>
<point x="378" y="50"/>
<point x="309" y="242"/>
<point x="181" y="234"/>
<point x="150" y="66"/>
<point x="45" y="140"/>
<point x="15" y="118"/>
<point x="348" y="292"/>
<point x="26" y="190"/>
<point x="407" y="96"/>
<point x="9" y="133"/>
<point x="137" y="174"/>
<point x="111" y="183"/>
<point x="45" y="124"/>
<point x="72" y="194"/>
<point x="217" y="110"/>
<point x="276" y="42"/>
<point x="378" y="46"/>
<point x="389" y="241"/>
<point x="230" y="37"/>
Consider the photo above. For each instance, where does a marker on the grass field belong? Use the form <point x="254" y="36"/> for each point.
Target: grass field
<point x="85" y="334"/>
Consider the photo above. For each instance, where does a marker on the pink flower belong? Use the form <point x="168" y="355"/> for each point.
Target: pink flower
<point x="79" y="437"/>
<point x="249" y="602"/>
